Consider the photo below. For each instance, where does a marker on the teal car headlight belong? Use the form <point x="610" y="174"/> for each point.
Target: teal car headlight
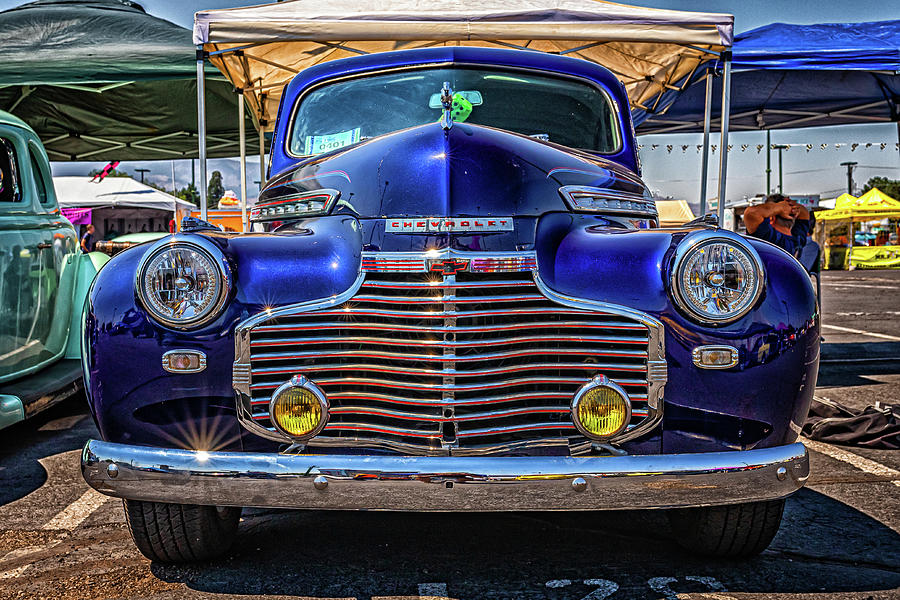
<point x="183" y="283"/>
<point x="716" y="278"/>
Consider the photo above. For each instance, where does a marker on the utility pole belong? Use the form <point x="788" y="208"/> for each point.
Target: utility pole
<point x="142" y="171"/>
<point x="780" y="148"/>
<point x="768" y="162"/>
<point x="849" y="166"/>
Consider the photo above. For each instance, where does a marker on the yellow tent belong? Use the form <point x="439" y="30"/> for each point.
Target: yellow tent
<point x="874" y="205"/>
<point x="673" y="213"/>
<point x="871" y="206"/>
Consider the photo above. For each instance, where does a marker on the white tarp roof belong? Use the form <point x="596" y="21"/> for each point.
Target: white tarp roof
<point x="649" y="49"/>
<point x="80" y="192"/>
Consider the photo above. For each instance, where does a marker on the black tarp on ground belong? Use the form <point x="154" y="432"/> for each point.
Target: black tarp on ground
<point x="57" y="56"/>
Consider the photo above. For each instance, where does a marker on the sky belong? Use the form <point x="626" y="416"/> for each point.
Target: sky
<point x="675" y="174"/>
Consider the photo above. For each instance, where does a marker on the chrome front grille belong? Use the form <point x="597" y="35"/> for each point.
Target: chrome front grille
<point x="469" y="363"/>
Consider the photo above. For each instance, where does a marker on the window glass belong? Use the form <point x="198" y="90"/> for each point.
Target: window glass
<point x="565" y="111"/>
<point x="9" y="182"/>
<point x="40" y="179"/>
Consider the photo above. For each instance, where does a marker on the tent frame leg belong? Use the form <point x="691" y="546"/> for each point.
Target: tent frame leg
<point x="262" y="154"/>
<point x="242" y="135"/>
<point x="723" y="154"/>
<point x="201" y="128"/>
<point x="707" y="120"/>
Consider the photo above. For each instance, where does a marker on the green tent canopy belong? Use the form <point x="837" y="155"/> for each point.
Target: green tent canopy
<point x="103" y="80"/>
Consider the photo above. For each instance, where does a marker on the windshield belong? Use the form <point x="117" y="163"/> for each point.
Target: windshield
<point x="565" y="111"/>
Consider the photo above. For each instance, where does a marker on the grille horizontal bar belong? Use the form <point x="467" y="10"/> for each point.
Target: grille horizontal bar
<point x="471" y="363"/>
<point x="445" y="357"/>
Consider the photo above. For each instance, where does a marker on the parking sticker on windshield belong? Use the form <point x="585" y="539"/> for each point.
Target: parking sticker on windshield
<point x="317" y="144"/>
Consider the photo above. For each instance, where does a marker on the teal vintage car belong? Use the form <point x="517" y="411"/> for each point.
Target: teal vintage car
<point x="44" y="279"/>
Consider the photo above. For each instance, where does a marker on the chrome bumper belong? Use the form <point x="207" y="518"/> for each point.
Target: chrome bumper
<point x="443" y="483"/>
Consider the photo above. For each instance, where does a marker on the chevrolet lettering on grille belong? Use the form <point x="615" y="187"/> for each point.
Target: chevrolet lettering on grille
<point x="446" y="224"/>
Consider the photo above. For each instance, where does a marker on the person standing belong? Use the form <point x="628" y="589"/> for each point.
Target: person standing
<point x="780" y="221"/>
<point x="87" y="240"/>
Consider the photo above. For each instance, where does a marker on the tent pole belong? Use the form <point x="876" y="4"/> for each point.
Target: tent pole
<point x="201" y="129"/>
<point x="242" y="135"/>
<point x="723" y="154"/>
<point x="707" y="119"/>
<point x="262" y="154"/>
<point x="768" y="162"/>
<point x="174" y="193"/>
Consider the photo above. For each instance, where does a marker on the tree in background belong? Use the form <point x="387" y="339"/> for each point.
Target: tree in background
<point x="891" y="187"/>
<point x="215" y="190"/>
<point x="112" y="173"/>
<point x="189" y="193"/>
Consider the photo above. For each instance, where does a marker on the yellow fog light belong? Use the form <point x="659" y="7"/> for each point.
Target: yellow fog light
<point x="299" y="408"/>
<point x="601" y="409"/>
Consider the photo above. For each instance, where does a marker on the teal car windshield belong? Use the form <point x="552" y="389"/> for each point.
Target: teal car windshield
<point x="570" y="112"/>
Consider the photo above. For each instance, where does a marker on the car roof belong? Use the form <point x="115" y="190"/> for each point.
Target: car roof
<point x="10" y="119"/>
<point x="460" y="54"/>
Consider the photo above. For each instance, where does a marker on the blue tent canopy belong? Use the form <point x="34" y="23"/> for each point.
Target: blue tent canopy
<point x="797" y="76"/>
<point x="872" y="46"/>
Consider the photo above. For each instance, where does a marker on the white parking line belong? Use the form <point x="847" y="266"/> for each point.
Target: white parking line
<point x="62" y="423"/>
<point x="863" y="464"/>
<point x="74" y="514"/>
<point x="23" y="552"/>
<point x="66" y="520"/>
<point x="882" y="336"/>
<point x="892" y="313"/>
<point x="860" y="285"/>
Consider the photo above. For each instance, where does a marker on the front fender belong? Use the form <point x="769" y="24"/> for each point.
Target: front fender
<point x="88" y="267"/>
<point x="763" y="400"/>
<point x="135" y="400"/>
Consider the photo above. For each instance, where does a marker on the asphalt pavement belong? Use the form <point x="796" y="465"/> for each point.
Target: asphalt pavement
<point x="840" y="537"/>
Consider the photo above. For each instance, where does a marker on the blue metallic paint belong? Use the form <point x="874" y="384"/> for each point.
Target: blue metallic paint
<point x="468" y="170"/>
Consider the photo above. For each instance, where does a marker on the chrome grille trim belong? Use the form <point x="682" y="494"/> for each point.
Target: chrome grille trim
<point x="437" y="344"/>
<point x="449" y="357"/>
<point x="381" y="389"/>
<point x="456" y="387"/>
<point x="445" y="329"/>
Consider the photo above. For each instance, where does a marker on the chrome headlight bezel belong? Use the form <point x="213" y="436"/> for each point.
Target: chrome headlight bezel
<point x="209" y="251"/>
<point x="691" y="244"/>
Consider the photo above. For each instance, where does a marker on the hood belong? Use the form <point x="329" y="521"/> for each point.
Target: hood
<point x="468" y="170"/>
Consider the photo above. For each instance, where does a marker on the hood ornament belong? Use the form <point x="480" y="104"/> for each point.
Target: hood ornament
<point x="447" y="104"/>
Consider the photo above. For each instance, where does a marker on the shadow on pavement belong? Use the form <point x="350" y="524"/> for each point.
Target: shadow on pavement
<point x="515" y="555"/>
<point x="23" y="444"/>
<point x="848" y="364"/>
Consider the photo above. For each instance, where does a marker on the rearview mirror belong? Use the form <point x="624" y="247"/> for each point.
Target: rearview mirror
<point x="473" y="96"/>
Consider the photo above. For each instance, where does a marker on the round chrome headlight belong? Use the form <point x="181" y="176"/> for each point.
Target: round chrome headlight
<point x="183" y="283"/>
<point x="716" y="277"/>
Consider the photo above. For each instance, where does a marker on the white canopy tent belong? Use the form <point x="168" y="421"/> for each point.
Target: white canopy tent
<point x="260" y="48"/>
<point x="117" y="193"/>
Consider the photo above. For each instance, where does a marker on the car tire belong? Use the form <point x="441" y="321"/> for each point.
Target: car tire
<point x="732" y="531"/>
<point x="176" y="533"/>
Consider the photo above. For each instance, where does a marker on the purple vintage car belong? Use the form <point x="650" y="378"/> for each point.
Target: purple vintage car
<point x="458" y="298"/>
